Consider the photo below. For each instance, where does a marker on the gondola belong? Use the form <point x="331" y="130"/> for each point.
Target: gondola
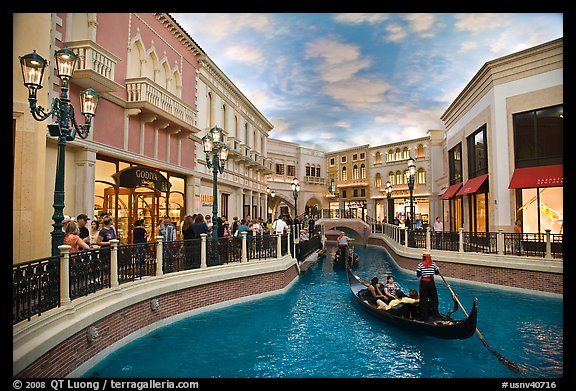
<point x="353" y="259"/>
<point x="444" y="327"/>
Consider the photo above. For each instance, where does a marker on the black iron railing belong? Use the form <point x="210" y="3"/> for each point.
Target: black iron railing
<point x="37" y="284"/>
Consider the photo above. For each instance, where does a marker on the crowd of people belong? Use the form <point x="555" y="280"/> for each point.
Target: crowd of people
<point x="101" y="230"/>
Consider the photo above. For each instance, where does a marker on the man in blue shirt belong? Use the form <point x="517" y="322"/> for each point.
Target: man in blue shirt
<point x="428" y="294"/>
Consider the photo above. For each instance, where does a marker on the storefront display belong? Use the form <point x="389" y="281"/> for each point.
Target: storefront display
<point x="130" y="192"/>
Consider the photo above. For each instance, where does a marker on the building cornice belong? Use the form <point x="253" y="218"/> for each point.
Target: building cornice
<point x="529" y="62"/>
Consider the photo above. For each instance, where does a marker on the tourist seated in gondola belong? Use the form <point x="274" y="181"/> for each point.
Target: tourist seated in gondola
<point x="375" y="295"/>
<point x="401" y="298"/>
<point x="390" y="288"/>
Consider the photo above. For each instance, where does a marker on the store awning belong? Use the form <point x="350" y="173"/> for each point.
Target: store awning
<point x="541" y="176"/>
<point x="451" y="190"/>
<point x="472" y="185"/>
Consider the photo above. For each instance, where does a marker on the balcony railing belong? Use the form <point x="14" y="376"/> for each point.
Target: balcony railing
<point x="144" y="90"/>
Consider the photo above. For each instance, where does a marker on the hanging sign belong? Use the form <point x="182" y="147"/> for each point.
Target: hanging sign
<point x="137" y="176"/>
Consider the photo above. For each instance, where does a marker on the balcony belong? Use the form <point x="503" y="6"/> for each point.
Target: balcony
<point x="94" y="67"/>
<point x="143" y="93"/>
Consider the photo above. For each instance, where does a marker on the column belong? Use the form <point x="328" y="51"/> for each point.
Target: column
<point x="244" y="247"/>
<point x="64" y="274"/>
<point x="114" y="263"/>
<point x="203" y="264"/>
<point x="159" y="256"/>
<point x="85" y="177"/>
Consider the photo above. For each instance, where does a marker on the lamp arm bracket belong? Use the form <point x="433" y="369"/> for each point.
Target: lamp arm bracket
<point x="39" y="113"/>
<point x="81" y="130"/>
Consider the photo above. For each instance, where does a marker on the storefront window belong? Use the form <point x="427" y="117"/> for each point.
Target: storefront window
<point x="479" y="212"/>
<point x="141" y="199"/>
<point x="541" y="209"/>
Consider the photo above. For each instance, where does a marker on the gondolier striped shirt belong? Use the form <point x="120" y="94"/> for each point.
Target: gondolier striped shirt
<point x="429" y="271"/>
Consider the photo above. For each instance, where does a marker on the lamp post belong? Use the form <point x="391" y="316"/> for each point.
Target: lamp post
<point x="65" y="128"/>
<point x="389" y="198"/>
<point x="295" y="190"/>
<point x="410" y="177"/>
<point x="271" y="195"/>
<point x="216" y="155"/>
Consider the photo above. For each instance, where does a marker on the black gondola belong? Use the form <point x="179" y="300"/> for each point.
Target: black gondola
<point x="445" y="327"/>
<point x="353" y="259"/>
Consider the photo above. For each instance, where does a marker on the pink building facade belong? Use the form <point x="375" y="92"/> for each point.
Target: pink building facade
<point x="144" y="66"/>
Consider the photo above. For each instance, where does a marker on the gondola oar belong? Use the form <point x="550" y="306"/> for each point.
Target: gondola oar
<point x="504" y="360"/>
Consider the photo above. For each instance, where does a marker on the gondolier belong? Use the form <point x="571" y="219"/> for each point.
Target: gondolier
<point x="428" y="294"/>
<point x="342" y="241"/>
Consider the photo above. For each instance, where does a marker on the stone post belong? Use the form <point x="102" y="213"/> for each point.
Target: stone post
<point x="159" y="256"/>
<point x="244" y="257"/>
<point x="203" y="264"/>
<point x="114" y="263"/>
<point x="64" y="274"/>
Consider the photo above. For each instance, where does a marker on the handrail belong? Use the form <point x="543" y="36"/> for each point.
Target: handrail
<point x="544" y="245"/>
<point x="46" y="283"/>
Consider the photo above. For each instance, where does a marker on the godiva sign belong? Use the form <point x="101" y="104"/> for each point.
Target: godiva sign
<point x="137" y="176"/>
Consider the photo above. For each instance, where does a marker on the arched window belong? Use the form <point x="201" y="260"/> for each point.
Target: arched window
<point x="363" y="171"/>
<point x="390" y="156"/>
<point x="420" y="151"/>
<point x="355" y="172"/>
<point x="392" y="178"/>
<point x="405" y="153"/>
<point x="398" y="154"/>
<point x="344" y="174"/>
<point x="399" y="179"/>
<point x="308" y="169"/>
<point x="378" y="181"/>
<point x="421" y="176"/>
<point x="377" y="158"/>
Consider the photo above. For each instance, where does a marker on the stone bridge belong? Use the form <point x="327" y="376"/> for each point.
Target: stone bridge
<point x="354" y="228"/>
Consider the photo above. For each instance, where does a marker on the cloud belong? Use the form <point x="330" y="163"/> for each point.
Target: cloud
<point x="424" y="25"/>
<point x="339" y="61"/>
<point x="359" y="18"/>
<point x="246" y="54"/>
<point x="395" y="32"/>
<point x="359" y="93"/>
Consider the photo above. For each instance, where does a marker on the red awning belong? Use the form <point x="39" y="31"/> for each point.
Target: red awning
<point x="541" y="176"/>
<point x="472" y="185"/>
<point x="451" y="190"/>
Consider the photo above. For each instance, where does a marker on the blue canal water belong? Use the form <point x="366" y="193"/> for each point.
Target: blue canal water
<point x="316" y="330"/>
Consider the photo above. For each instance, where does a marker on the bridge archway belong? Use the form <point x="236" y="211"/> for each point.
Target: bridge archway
<point x="354" y="228"/>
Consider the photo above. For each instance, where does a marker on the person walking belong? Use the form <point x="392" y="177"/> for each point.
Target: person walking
<point x="280" y="226"/>
<point x="426" y="270"/>
<point x="139" y="238"/>
<point x="107" y="232"/>
<point x="81" y="221"/>
<point x="94" y="230"/>
<point x="167" y="230"/>
<point x="72" y="239"/>
<point x="438" y="228"/>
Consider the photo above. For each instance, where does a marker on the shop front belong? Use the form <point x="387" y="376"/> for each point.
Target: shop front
<point x="130" y="192"/>
<point x="539" y="198"/>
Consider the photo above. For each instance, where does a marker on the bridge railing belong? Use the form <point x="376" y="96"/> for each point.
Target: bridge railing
<point x="545" y="245"/>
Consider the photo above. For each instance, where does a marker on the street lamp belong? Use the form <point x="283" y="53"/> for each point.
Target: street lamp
<point x="271" y="195"/>
<point x="295" y="190"/>
<point x="216" y="155"/>
<point x="410" y="176"/>
<point x="389" y="197"/>
<point x="65" y="128"/>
